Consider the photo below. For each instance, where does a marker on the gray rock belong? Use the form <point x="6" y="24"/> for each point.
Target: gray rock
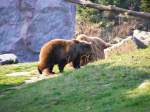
<point x="25" y="25"/>
<point x="8" y="59"/>
<point x="116" y="40"/>
<point x="125" y="46"/>
<point x="141" y="38"/>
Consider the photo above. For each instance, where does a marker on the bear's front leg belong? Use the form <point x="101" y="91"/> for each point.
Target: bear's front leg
<point x="76" y="63"/>
<point x="62" y="65"/>
<point x="48" y="71"/>
<point x="61" y="68"/>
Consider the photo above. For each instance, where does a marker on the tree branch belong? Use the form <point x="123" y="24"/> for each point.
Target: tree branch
<point x="111" y="8"/>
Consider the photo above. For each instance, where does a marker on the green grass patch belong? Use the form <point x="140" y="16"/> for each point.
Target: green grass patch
<point x="10" y="81"/>
<point x="119" y="84"/>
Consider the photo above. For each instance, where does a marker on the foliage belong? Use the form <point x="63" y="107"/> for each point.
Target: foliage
<point x="127" y="4"/>
<point x="119" y="84"/>
<point x="96" y="16"/>
<point x="120" y="3"/>
<point x="88" y="14"/>
<point x="145" y="5"/>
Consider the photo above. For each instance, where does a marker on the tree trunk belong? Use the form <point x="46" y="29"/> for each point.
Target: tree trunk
<point x="111" y="8"/>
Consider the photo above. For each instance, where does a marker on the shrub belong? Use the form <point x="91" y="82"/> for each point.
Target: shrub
<point x="145" y="5"/>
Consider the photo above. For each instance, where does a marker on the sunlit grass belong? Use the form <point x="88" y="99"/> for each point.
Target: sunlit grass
<point x="141" y="90"/>
<point x="7" y="81"/>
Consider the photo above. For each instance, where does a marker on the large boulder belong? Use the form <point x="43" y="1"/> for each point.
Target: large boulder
<point x="125" y="46"/>
<point x="8" y="59"/>
<point x="141" y="38"/>
<point x="25" y="25"/>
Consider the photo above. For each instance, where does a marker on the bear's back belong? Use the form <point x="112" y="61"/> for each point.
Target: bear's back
<point x="54" y="49"/>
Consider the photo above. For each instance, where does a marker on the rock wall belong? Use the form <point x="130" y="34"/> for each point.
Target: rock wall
<point x="25" y="25"/>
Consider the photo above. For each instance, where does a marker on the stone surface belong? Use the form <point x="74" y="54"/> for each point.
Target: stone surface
<point x="144" y="85"/>
<point x="116" y="40"/>
<point x="125" y="46"/>
<point x="17" y="74"/>
<point x="141" y="38"/>
<point x="40" y="77"/>
<point x="25" y="25"/>
<point x="8" y="59"/>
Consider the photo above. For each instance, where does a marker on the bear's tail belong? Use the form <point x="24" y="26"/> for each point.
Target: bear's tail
<point x="39" y="70"/>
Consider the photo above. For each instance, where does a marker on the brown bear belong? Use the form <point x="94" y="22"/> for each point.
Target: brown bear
<point x="61" y="52"/>
<point x="98" y="45"/>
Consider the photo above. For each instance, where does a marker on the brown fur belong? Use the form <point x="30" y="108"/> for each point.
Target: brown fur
<point x="61" y="52"/>
<point x="97" y="45"/>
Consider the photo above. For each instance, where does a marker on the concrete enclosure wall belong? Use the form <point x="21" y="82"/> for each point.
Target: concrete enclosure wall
<point x="25" y="25"/>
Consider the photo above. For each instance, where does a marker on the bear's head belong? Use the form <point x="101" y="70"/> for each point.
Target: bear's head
<point x="82" y="47"/>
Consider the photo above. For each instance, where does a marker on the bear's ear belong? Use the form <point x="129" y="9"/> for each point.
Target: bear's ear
<point x="76" y="41"/>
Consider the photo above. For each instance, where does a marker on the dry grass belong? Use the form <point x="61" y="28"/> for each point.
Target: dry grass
<point x="122" y="30"/>
<point x="87" y="28"/>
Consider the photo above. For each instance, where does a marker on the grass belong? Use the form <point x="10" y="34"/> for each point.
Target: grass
<point x="120" y="84"/>
<point x="6" y="81"/>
